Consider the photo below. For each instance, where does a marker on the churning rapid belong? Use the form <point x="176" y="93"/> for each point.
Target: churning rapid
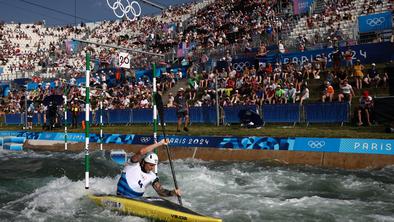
<point x="50" y="187"/>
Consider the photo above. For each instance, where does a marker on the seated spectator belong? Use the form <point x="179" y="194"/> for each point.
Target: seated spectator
<point x="270" y="94"/>
<point x="291" y="94"/>
<point x="372" y="78"/>
<point x="365" y="106"/>
<point x="304" y="93"/>
<point x="328" y="92"/>
<point x="346" y="93"/>
<point x="279" y="95"/>
<point x="383" y="79"/>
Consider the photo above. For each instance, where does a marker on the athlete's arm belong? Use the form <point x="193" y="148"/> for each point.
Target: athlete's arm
<point x="139" y="155"/>
<point x="164" y="192"/>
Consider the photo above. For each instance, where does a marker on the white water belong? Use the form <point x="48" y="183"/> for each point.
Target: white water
<point x="234" y="191"/>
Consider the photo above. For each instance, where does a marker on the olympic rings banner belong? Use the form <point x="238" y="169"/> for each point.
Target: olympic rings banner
<point x="332" y="145"/>
<point x="375" y="22"/>
<point x="125" y="8"/>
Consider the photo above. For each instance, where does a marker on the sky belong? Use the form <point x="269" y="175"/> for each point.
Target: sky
<point x="61" y="12"/>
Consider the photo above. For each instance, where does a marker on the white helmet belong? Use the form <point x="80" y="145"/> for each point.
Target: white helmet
<point x="151" y="158"/>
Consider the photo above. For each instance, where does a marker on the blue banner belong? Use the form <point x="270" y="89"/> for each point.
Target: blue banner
<point x="301" y="6"/>
<point x="1" y="70"/>
<point x="241" y="63"/>
<point x="336" y="145"/>
<point x="367" y="146"/>
<point x="317" y="144"/>
<point x="367" y="54"/>
<point x="375" y="22"/>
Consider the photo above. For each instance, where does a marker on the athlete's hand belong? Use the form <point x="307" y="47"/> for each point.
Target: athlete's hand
<point x="164" y="142"/>
<point x="177" y="192"/>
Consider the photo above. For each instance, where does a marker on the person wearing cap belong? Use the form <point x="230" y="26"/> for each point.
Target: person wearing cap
<point x="372" y="77"/>
<point x="138" y="174"/>
<point x="365" y="106"/>
<point x="182" y="110"/>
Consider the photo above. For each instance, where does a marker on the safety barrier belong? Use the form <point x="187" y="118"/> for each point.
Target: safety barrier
<point x="281" y="113"/>
<point x="326" y="112"/>
<point x="231" y="113"/>
<point x="272" y="113"/>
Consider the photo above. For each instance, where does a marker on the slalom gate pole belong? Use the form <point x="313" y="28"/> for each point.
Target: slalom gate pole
<point x="101" y="122"/>
<point x="65" y="118"/>
<point x="154" y="108"/>
<point x="87" y="124"/>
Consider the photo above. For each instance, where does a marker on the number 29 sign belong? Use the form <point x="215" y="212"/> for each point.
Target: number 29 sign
<point x="124" y="60"/>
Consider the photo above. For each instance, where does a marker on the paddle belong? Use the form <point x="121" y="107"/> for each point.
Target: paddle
<point x="160" y="110"/>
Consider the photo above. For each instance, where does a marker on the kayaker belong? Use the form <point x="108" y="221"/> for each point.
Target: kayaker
<point x="138" y="174"/>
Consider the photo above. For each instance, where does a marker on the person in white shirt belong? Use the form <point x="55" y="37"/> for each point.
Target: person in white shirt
<point x="138" y="174"/>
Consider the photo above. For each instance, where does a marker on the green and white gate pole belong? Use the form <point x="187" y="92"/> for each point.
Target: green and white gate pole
<point x="65" y="117"/>
<point x="87" y="124"/>
<point x="154" y="108"/>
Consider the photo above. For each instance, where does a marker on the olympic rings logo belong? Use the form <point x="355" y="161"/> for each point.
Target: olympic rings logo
<point x="240" y="66"/>
<point x="132" y="9"/>
<point x="145" y="139"/>
<point x="316" y="144"/>
<point x="376" y="21"/>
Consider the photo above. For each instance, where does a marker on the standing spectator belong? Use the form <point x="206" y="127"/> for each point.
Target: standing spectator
<point x="348" y="60"/>
<point x="30" y="112"/>
<point x="74" y="113"/>
<point x="365" y="106"/>
<point x="336" y="57"/>
<point x="358" y="74"/>
<point x="182" y="110"/>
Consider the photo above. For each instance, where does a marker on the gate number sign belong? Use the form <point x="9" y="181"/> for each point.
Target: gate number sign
<point x="124" y="60"/>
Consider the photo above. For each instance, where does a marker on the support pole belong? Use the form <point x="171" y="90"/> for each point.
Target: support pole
<point x="87" y="124"/>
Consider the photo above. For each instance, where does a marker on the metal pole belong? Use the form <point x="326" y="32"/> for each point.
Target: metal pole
<point x="117" y="47"/>
<point x="87" y="125"/>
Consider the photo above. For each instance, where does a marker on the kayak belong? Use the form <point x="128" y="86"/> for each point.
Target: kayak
<point x="150" y="207"/>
